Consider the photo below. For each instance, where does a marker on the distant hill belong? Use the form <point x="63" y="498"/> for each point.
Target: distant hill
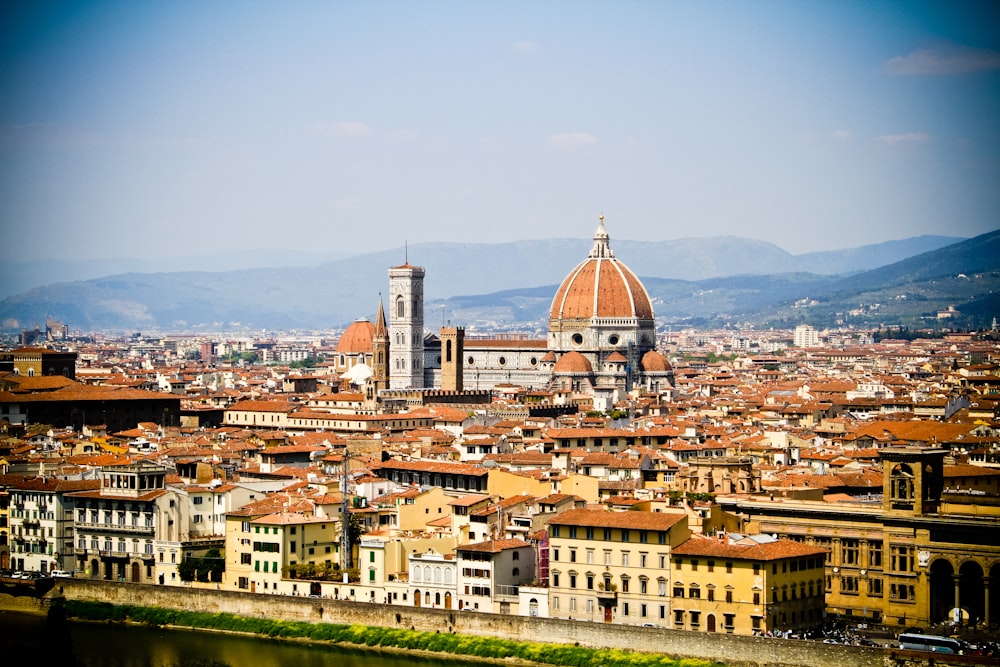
<point x="710" y="280"/>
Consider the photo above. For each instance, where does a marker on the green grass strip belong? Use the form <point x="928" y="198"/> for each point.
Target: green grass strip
<point x="361" y="635"/>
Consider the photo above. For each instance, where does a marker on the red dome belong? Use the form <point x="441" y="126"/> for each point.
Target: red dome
<point x="654" y="362"/>
<point x="601" y="286"/>
<point x="357" y="338"/>
<point x="572" y="362"/>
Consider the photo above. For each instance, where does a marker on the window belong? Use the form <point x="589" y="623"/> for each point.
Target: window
<point x="875" y="587"/>
<point x="572" y="555"/>
<point x="679" y="618"/>
<point x="694" y="592"/>
<point x="729" y="595"/>
<point x="849" y="552"/>
<point x="849" y="585"/>
<point x="902" y="558"/>
<point x="555" y="554"/>
<point x="875" y="554"/>
<point x="711" y="594"/>
<point x="624" y="559"/>
<point x="678" y="590"/>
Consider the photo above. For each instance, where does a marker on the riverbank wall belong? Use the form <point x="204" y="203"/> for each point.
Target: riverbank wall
<point x="732" y="650"/>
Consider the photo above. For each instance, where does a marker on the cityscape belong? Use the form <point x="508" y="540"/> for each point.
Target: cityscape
<point x="777" y="482"/>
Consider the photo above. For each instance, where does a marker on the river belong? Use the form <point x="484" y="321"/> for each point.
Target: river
<point x="36" y="640"/>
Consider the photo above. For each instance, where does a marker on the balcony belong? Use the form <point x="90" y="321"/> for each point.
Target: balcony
<point x="114" y="528"/>
<point x="505" y="591"/>
<point x="607" y="596"/>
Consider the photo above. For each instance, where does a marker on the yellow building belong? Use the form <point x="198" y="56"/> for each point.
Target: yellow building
<point x="612" y="567"/>
<point x="921" y="555"/>
<point x="746" y="585"/>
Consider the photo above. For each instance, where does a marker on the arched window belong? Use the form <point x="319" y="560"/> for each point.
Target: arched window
<point x="400" y="307"/>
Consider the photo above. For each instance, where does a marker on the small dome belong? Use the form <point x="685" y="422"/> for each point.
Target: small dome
<point x="654" y="362"/>
<point x="601" y="286"/>
<point x="357" y="338"/>
<point x="617" y="358"/>
<point x="573" y="362"/>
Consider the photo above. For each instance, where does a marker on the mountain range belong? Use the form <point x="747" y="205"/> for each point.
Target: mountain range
<point x="509" y="286"/>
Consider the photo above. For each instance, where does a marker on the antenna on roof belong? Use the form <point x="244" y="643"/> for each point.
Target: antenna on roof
<point x="406" y="252"/>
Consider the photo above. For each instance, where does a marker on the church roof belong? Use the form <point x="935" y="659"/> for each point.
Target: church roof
<point x="573" y="362"/>
<point x="357" y="338"/>
<point x="601" y="286"/>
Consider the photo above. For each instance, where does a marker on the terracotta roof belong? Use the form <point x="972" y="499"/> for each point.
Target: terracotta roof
<point x="629" y="520"/>
<point x="700" y="545"/>
<point x="357" y="338"/>
<point x="601" y="286"/>
<point x="493" y="546"/>
<point x="573" y="362"/>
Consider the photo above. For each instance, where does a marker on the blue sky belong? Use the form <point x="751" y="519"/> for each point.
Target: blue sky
<point x="175" y="128"/>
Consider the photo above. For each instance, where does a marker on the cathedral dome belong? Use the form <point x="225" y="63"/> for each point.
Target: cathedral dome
<point x="357" y="338"/>
<point x="573" y="362"/>
<point x="601" y="286"/>
<point x="654" y="362"/>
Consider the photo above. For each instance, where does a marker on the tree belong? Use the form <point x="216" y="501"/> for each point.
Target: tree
<point x="205" y="568"/>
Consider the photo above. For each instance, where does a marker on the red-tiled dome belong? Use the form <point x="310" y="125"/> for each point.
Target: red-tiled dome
<point x="654" y="362"/>
<point x="572" y="362"/>
<point x="357" y="338"/>
<point x="601" y="286"/>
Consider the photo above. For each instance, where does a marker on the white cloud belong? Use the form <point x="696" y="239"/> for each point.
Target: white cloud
<point x="567" y="139"/>
<point x="905" y="138"/>
<point x="944" y="59"/>
<point x="340" y="129"/>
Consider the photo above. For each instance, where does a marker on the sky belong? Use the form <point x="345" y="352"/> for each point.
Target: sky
<point x="177" y="128"/>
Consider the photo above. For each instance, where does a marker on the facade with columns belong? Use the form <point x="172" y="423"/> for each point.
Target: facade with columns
<point x="924" y="554"/>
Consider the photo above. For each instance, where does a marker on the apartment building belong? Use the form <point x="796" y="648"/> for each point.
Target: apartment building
<point x="41" y="522"/>
<point x="746" y="585"/>
<point x="132" y="528"/>
<point x="612" y="567"/>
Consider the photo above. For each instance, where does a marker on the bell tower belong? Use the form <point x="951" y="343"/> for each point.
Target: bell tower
<point x="452" y="352"/>
<point x="912" y="479"/>
<point x="406" y="327"/>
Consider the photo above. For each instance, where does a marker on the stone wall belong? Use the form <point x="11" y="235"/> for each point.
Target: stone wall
<point x="733" y="650"/>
